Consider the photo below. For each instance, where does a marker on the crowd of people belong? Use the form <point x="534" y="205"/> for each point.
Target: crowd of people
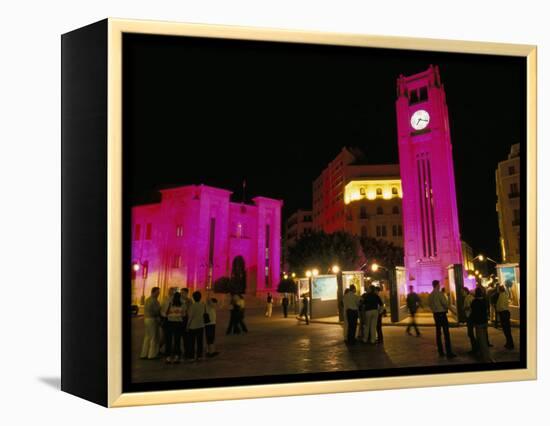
<point x="363" y="317"/>
<point x="177" y="327"/>
<point x="179" y="322"/>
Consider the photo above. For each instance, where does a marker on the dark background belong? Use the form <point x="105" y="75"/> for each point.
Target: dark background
<point x="219" y="111"/>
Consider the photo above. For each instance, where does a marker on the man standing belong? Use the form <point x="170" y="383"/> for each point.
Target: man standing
<point x="468" y="299"/>
<point x="351" y="309"/>
<point x="413" y="303"/>
<point x="285" y="306"/>
<point x="439" y="305"/>
<point x="503" y="312"/>
<point x="151" y="313"/>
<point x="269" y="305"/>
<point x="305" y="309"/>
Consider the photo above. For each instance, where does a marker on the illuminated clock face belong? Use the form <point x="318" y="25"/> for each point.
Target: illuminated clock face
<point x="420" y="119"/>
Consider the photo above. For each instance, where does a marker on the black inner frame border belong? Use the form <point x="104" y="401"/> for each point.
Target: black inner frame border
<point x="129" y="386"/>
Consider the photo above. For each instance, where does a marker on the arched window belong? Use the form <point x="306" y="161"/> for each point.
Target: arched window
<point x="394" y="191"/>
<point x="379" y="210"/>
<point x="395" y="210"/>
<point x="362" y="191"/>
<point x="378" y="191"/>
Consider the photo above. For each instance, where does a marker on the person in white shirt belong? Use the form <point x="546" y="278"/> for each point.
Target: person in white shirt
<point x="503" y="312"/>
<point x="173" y="328"/>
<point x="439" y="305"/>
<point x="269" y="305"/>
<point x="151" y="314"/>
<point x="195" y="328"/>
<point x="351" y="309"/>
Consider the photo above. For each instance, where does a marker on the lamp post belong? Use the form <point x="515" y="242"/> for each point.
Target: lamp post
<point x="340" y="291"/>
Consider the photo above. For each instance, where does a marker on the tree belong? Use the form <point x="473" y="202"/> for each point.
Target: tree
<point x="321" y="250"/>
<point x="222" y="285"/>
<point x="238" y="275"/>
<point x="382" y="252"/>
<point x="287" y="286"/>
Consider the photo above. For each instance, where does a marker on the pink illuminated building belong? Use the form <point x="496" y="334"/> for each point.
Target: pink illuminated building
<point x="191" y="237"/>
<point x="430" y="219"/>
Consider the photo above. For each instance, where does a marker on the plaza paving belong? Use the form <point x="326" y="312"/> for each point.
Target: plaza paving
<point x="280" y="345"/>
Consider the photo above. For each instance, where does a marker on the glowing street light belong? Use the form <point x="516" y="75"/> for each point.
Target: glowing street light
<point x="135" y="267"/>
<point x="375" y="267"/>
<point x="285" y="276"/>
<point x="308" y="274"/>
<point x="481" y="257"/>
<point x="315" y="272"/>
<point x="294" y="275"/>
<point x="335" y="269"/>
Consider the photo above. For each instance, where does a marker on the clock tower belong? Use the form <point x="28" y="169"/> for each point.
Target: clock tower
<point x="430" y="219"/>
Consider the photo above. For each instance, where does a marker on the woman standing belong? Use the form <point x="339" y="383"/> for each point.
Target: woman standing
<point x="173" y="328"/>
<point x="195" y="327"/>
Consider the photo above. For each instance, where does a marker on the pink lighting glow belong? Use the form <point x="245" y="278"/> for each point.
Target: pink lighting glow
<point x="191" y="237"/>
<point x="430" y="219"/>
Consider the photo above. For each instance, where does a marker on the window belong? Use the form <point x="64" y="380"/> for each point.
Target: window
<point x="413" y="97"/>
<point x="137" y="232"/>
<point x="378" y="231"/>
<point x="423" y="94"/>
<point x="394" y="191"/>
<point x="363" y="212"/>
<point x="145" y="269"/>
<point x="399" y="230"/>
<point x="363" y="231"/>
<point x="362" y="191"/>
<point x="179" y="231"/>
<point x="395" y="210"/>
<point x="378" y="191"/>
<point x="384" y="233"/>
<point x="394" y="230"/>
<point x="149" y="231"/>
<point x="379" y="210"/>
<point x="515" y="221"/>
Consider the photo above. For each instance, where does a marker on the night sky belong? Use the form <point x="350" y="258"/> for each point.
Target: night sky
<point x="219" y="111"/>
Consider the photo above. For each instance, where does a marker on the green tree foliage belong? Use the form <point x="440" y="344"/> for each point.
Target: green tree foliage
<point x="321" y="250"/>
<point x="382" y="252"/>
<point x="287" y="286"/>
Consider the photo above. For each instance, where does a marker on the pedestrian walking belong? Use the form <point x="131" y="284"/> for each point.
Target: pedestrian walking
<point x="305" y="309"/>
<point x="351" y="309"/>
<point x="371" y="304"/>
<point x="269" y="305"/>
<point x="240" y="313"/>
<point x="195" y="327"/>
<point x="468" y="299"/>
<point x="285" y="303"/>
<point x="439" y="305"/>
<point x="492" y="296"/>
<point x="480" y="320"/>
<point x="346" y="291"/>
<point x="174" y="313"/>
<point x="381" y="314"/>
<point x="233" y="326"/>
<point x="413" y="304"/>
<point x="151" y="314"/>
<point x="503" y="312"/>
<point x="210" y="327"/>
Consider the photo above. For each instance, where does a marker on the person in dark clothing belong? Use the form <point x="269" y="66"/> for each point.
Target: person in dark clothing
<point x="240" y="313"/>
<point x="285" y="306"/>
<point x="439" y="304"/>
<point x="413" y="304"/>
<point x="233" y="326"/>
<point x="479" y="319"/>
<point x="468" y="298"/>
<point x="371" y="303"/>
<point x="305" y="309"/>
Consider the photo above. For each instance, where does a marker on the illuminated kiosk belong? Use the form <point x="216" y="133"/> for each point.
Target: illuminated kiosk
<point x="324" y="296"/>
<point x="509" y="277"/>
<point x="430" y="219"/>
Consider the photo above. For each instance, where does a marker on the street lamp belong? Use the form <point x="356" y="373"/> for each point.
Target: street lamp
<point x="374" y="267"/>
<point x="335" y="269"/>
<point x="294" y="275"/>
<point x="315" y="272"/>
<point x="308" y="274"/>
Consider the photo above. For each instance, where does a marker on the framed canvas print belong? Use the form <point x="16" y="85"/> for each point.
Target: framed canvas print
<point x="253" y="212"/>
